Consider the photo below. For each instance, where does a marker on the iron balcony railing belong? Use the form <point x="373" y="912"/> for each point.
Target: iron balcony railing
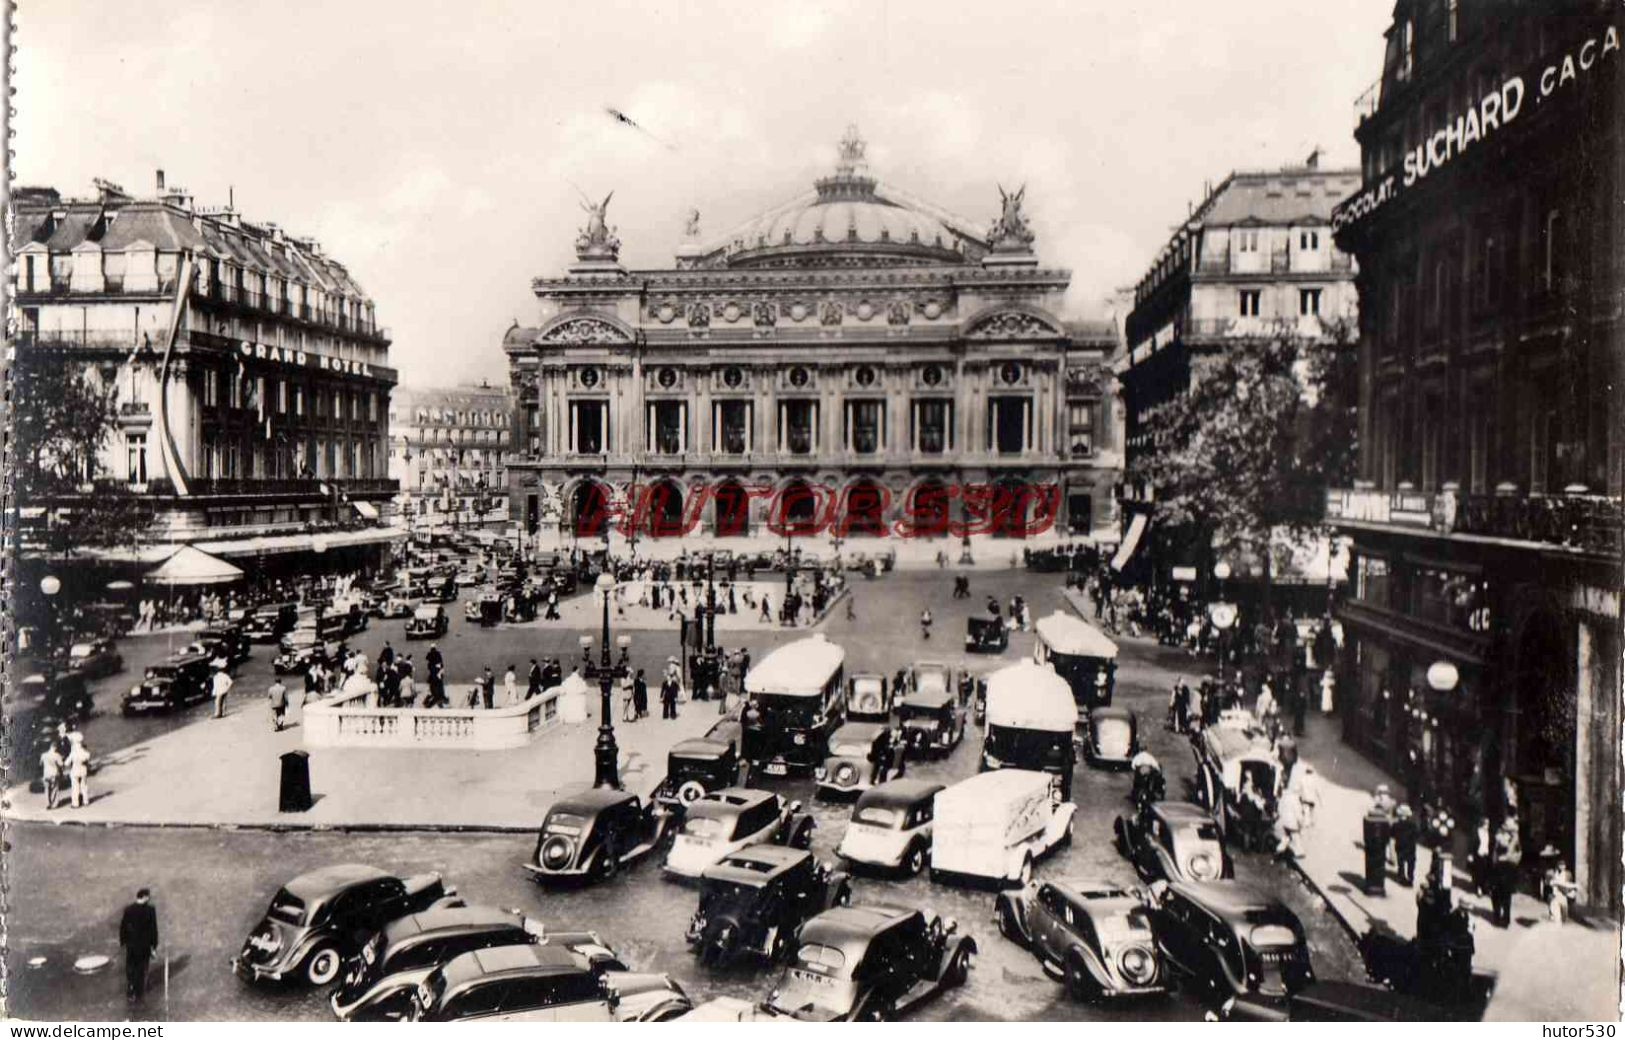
<point x="1590" y="523"/>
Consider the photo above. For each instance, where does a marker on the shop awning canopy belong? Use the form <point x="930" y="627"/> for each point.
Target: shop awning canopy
<point x="192" y="566"/>
<point x="1131" y="541"/>
<point x="366" y="509"/>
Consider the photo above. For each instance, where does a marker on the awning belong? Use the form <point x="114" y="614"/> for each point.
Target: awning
<point x="192" y="566"/>
<point x="366" y="509"/>
<point x="1131" y="541"/>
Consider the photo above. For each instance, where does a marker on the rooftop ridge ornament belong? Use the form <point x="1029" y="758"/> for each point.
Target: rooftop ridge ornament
<point x="850" y="149"/>
<point x="1010" y="233"/>
<point x="850" y="181"/>
<point x="597" y="241"/>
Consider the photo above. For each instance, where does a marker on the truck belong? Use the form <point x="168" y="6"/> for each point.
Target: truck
<point x="993" y="827"/>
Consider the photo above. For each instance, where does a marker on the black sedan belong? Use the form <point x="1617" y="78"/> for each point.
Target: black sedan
<point x="1095" y="936"/>
<point x="95" y="658"/>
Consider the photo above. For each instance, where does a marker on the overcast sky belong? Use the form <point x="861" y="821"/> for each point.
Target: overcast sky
<point x="437" y="148"/>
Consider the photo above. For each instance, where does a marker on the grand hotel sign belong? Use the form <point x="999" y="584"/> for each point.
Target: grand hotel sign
<point x="1583" y="61"/>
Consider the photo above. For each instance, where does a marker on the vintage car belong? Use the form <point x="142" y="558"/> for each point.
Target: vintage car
<point x="1238" y="948"/>
<point x="319" y="919"/>
<point x="871" y="964"/>
<point x="471" y="610"/>
<point x="1332" y="1001"/>
<point x="933" y="722"/>
<point x="868" y="698"/>
<point x="427" y="622"/>
<point x="227" y="640"/>
<point x="299" y="649"/>
<point x="891" y="826"/>
<point x="268" y="622"/>
<point x="1081" y="654"/>
<point x="1174" y="841"/>
<point x="489" y="603"/>
<point x="541" y="983"/>
<point x="170" y="684"/>
<point x="730" y="1009"/>
<point x="94" y="658"/>
<point x="695" y="768"/>
<point x="1229" y="756"/>
<point x="394" y="607"/>
<point x="723" y="822"/>
<point x="563" y="581"/>
<point x="440" y="589"/>
<point x="1110" y="737"/>
<point x="726" y="730"/>
<point x="993" y="827"/>
<point x="378" y="984"/>
<point x="592" y="835"/>
<point x="932" y="677"/>
<point x="62" y="696"/>
<point x="854" y="750"/>
<point x="1095" y="936"/>
<point x="468" y="578"/>
<point x="753" y="901"/>
<point x="986" y="635"/>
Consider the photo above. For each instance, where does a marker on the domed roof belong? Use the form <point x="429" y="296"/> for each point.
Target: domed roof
<point x="849" y="219"/>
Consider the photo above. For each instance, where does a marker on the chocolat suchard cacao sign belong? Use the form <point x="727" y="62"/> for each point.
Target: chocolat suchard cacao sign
<point x="1584" y="59"/>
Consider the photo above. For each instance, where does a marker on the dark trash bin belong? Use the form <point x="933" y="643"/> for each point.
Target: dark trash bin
<point x="1377" y="830"/>
<point x="295" y="796"/>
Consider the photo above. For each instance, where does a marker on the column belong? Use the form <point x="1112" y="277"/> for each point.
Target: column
<point x="716" y="427"/>
<point x="914" y="427"/>
<point x="1584" y="737"/>
<point x="1026" y="425"/>
<point x="682" y="426"/>
<point x="750" y="427"/>
<point x="846" y="426"/>
<point x="783" y="440"/>
<point x="575" y="428"/>
<point x="649" y="427"/>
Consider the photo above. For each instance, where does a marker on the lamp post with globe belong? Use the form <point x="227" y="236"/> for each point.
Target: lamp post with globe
<point x="605" y="753"/>
<point x="1222" y="613"/>
<point x="50" y="585"/>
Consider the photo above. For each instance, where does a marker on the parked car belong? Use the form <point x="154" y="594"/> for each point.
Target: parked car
<point x="1095" y="936"/>
<point x="63" y="696"/>
<point x="1175" y="841"/>
<point x="379" y="982"/>
<point x="592" y="835"/>
<point x="868" y="698"/>
<point x="695" y="768"/>
<point x="993" y="827"/>
<point x="174" y="683"/>
<point x="891" y="826"/>
<point x="541" y="983"/>
<point x="319" y="919"/>
<point x="727" y="730"/>
<point x="1110" y="737"/>
<point x="299" y="649"/>
<point x="427" y="622"/>
<point x="395" y="607"/>
<point x="270" y="621"/>
<point x="753" y="901"/>
<point x="1235" y="946"/>
<point x="871" y="963"/>
<point x="854" y="751"/>
<point x="723" y="822"/>
<point x="986" y="635"/>
<point x="94" y="658"/>
<point x="933" y="722"/>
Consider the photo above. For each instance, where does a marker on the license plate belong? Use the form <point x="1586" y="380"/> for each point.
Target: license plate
<point x="807" y="976"/>
<point x="776" y="769"/>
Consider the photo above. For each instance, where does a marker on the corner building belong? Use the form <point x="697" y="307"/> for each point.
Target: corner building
<point x="1487" y="519"/>
<point x="854" y="350"/>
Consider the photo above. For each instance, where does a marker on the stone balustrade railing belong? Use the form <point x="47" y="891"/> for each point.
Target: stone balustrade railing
<point x="344" y="720"/>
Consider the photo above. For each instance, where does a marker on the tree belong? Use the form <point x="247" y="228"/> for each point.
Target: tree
<point x="1266" y="427"/>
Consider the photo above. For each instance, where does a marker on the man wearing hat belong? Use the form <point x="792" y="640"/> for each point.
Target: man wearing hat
<point x="1404" y="834"/>
<point x="138" y="934"/>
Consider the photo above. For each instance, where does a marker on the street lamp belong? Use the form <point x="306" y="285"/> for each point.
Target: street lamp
<point x="1223" y="615"/>
<point x="605" y="754"/>
<point x="710" y="602"/>
<point x="50" y="585"/>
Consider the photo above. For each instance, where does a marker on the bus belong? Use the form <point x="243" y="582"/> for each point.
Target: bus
<point x="1031" y="719"/>
<point x="796" y="698"/>
<point x="1081" y="654"/>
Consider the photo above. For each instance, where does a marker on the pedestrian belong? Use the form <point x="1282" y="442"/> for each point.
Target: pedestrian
<point x="851" y="606"/>
<point x="1560" y="891"/>
<point x="138" y="934"/>
<point x="51" y="773"/>
<point x="1328" y="692"/>
<point x="629" y="699"/>
<point x="1506" y="856"/>
<point x="1309" y="794"/>
<point x="78" y="762"/>
<point x="640" y="695"/>
<point x="1404" y="834"/>
<point x="510" y="687"/>
<point x="220" y="685"/>
<point x="925" y="623"/>
<point x="1478" y="862"/>
<point x="406" y="693"/>
<point x="474" y="690"/>
<point x="533" y="680"/>
<point x="668" y="697"/>
<point x="767" y="608"/>
<point x="488" y="688"/>
<point x="277" y="694"/>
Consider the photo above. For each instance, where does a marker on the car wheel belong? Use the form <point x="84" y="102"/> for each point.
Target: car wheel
<point x="958" y="970"/>
<point x="1026" y="875"/>
<point x="775" y="947"/>
<point x="914" y="862"/>
<point x="322" y="966"/>
<point x="1007" y="924"/>
<point x="691" y="792"/>
<point x="1080" y="985"/>
<point x="803" y="836"/>
<point x="1066" y="836"/>
<point x="607" y="864"/>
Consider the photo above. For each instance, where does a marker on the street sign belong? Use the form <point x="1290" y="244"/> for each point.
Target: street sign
<point x="1223" y="615"/>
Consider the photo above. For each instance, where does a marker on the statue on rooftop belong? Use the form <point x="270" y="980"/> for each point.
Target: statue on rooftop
<point x="1010" y="233"/>
<point x="597" y="240"/>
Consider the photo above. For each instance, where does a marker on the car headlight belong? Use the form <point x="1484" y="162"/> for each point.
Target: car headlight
<point x="1203" y="867"/>
<point x="846" y="774"/>
<point x="1137" y="965"/>
<point x="993" y="761"/>
<point x="820" y="773"/>
<point x="800" y="738"/>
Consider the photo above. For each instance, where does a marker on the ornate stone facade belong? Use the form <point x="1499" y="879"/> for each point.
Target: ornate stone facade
<point x="861" y="343"/>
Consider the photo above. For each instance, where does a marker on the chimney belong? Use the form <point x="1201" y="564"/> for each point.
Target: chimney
<point x="160" y="182"/>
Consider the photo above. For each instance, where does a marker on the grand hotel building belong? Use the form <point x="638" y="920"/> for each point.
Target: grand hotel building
<point x="853" y="350"/>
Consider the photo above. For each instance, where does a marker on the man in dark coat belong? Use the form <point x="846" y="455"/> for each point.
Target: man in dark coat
<point x="668" y="698"/>
<point x="640" y="695"/>
<point x="534" y="686"/>
<point x="138" y="934"/>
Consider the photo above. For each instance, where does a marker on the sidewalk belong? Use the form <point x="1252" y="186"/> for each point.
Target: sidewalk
<point x="1587" y="955"/>
<point x="226" y="773"/>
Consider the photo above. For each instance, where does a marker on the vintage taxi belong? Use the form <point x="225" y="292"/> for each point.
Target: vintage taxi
<point x="319" y="919"/>
<point x="871" y="964"/>
<point x="592" y="835"/>
<point x="723" y="822"/>
<point x="1240" y="950"/>
<point x="1110" y="737"/>
<point x="752" y="902"/>
<point x="1094" y="936"/>
<point x="1173" y="841"/>
<point x="541" y="983"/>
<point x="696" y="767"/>
<point x="869" y="698"/>
<point x="428" y="621"/>
<point x="861" y="754"/>
<point x="170" y="685"/>
<point x="891" y="826"/>
<point x="378" y="983"/>
<point x="268" y="622"/>
<point x="933" y="722"/>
